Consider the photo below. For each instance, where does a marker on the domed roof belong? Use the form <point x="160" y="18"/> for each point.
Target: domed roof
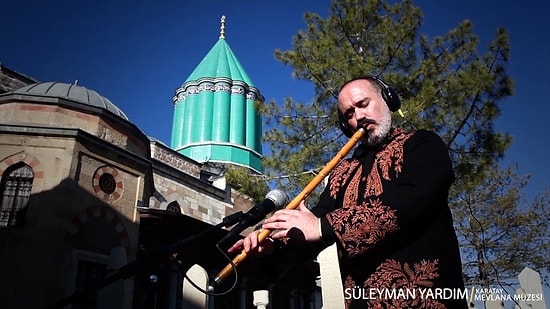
<point x="220" y="61"/>
<point x="72" y="92"/>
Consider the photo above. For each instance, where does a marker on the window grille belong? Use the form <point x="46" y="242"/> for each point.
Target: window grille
<point x="16" y="186"/>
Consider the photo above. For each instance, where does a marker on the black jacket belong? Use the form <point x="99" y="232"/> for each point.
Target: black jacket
<point x="387" y="210"/>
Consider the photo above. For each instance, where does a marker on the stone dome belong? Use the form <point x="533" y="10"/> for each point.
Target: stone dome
<point x="71" y="92"/>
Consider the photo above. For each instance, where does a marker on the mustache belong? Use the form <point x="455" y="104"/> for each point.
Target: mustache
<point x="363" y="122"/>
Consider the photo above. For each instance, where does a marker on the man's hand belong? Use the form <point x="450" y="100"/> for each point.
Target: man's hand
<point x="252" y="246"/>
<point x="286" y="221"/>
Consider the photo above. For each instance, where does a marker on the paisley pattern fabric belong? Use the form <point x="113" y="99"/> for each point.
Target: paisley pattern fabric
<point x="386" y="209"/>
<point x="393" y="274"/>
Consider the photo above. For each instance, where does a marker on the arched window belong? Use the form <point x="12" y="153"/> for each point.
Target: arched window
<point x="16" y="188"/>
<point x="174" y="207"/>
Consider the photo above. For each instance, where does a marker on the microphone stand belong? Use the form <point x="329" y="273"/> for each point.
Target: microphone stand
<point x="133" y="268"/>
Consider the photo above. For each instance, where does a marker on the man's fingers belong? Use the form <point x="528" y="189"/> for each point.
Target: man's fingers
<point x="236" y="246"/>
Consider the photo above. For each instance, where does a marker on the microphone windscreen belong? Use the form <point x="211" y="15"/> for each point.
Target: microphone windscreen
<point x="279" y="198"/>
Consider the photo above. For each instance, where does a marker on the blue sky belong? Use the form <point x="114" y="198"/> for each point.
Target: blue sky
<point x="136" y="53"/>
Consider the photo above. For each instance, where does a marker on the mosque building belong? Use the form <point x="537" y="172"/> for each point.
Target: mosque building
<point x="86" y="194"/>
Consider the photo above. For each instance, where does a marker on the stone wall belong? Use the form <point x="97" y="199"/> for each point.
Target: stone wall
<point x="11" y="80"/>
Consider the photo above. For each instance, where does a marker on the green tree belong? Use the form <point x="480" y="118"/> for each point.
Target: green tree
<point x="447" y="84"/>
<point x="502" y="232"/>
<point x="252" y="185"/>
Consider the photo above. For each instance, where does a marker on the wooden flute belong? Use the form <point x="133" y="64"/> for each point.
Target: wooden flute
<point x="355" y="138"/>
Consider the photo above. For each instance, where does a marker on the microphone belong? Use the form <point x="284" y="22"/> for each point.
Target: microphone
<point x="274" y="200"/>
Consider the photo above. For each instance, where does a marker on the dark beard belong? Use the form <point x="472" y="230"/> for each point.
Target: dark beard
<point x="364" y="122"/>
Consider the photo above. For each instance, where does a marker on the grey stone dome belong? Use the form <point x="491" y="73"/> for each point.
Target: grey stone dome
<point x="72" y="92"/>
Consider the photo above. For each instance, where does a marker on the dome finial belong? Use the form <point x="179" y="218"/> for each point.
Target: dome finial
<point x="222" y="28"/>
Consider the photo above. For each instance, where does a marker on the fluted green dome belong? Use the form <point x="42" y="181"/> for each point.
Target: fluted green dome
<point x="214" y="117"/>
<point x="220" y="62"/>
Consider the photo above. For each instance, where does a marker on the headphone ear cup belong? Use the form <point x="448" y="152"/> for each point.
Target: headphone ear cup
<point x="389" y="94"/>
<point x="343" y="123"/>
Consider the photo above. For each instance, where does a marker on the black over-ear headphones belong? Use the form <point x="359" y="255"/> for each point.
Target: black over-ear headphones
<point x="389" y="94"/>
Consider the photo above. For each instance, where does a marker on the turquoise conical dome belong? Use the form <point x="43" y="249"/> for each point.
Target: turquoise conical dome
<point x="214" y="115"/>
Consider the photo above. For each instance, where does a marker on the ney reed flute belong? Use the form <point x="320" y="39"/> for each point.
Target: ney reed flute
<point x="226" y="271"/>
